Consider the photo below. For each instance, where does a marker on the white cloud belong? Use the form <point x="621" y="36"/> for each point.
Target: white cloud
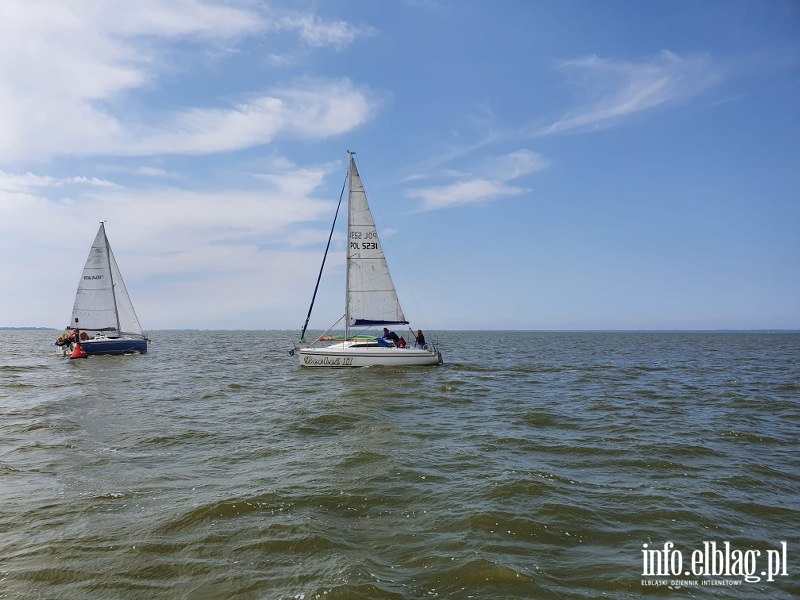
<point x="28" y="182"/>
<point x="289" y="181"/>
<point x="318" y="33"/>
<point x="64" y="63"/>
<point x="153" y="172"/>
<point x="69" y="66"/>
<point x="464" y="192"/>
<point x="10" y="182"/>
<point x="612" y="90"/>
<point x="310" y="109"/>
<point x="91" y="181"/>
<point x="517" y="164"/>
<point x="490" y="185"/>
<point x="247" y="250"/>
<point x="94" y="78"/>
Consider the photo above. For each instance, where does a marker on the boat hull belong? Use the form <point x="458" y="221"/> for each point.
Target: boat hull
<point x="111" y="346"/>
<point x="114" y="346"/>
<point x="343" y="357"/>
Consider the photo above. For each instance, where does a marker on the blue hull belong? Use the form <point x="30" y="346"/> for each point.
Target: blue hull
<point x="115" y="346"/>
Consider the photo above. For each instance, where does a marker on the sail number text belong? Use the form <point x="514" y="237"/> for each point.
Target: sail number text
<point x="367" y="235"/>
<point x="364" y="235"/>
<point x="364" y="245"/>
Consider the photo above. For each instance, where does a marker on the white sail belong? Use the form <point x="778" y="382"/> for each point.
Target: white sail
<point x="371" y="295"/>
<point x="102" y="304"/>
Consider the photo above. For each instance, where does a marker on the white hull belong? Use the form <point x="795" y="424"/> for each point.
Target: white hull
<point x="347" y="355"/>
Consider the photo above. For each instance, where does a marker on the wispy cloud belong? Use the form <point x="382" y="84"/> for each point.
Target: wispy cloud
<point x="490" y="182"/>
<point x="173" y="217"/>
<point x="29" y="182"/>
<point x="153" y="172"/>
<point x="308" y="109"/>
<point x="516" y="164"/>
<point x="12" y="182"/>
<point x="611" y="91"/>
<point x="92" y="181"/>
<point x="464" y="192"/>
<point x="319" y="33"/>
<point x="607" y="93"/>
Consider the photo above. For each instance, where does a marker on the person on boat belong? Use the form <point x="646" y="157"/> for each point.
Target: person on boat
<point x="390" y="335"/>
<point x="401" y="343"/>
<point x="420" y="337"/>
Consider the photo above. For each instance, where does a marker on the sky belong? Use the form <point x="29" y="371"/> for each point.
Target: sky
<point x="548" y="165"/>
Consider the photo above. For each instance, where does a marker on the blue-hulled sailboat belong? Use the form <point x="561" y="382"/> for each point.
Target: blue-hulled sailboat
<point x="103" y="319"/>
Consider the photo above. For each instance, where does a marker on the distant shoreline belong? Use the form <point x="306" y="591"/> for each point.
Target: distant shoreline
<point x="523" y="330"/>
<point x="479" y="330"/>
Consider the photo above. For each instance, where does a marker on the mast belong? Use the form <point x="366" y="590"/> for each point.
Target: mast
<point x="350" y="167"/>
<point x="111" y="277"/>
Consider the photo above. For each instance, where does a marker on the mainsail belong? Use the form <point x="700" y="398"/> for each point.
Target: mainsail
<point x="102" y="303"/>
<point x="371" y="295"/>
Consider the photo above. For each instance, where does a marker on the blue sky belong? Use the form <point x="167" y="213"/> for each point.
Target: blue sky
<point x="531" y="165"/>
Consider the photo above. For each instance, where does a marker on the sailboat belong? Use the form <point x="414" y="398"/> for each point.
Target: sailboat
<point x="103" y="319"/>
<point x="371" y="300"/>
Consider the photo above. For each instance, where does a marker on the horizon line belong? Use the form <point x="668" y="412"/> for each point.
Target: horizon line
<point x="586" y="330"/>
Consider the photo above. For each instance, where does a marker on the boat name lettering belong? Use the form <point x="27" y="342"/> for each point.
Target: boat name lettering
<point x="92" y="277"/>
<point x="326" y="360"/>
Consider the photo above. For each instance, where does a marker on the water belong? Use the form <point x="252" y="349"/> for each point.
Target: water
<point x="529" y="465"/>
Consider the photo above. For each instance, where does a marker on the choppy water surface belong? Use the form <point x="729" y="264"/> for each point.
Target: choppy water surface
<point x="529" y="465"/>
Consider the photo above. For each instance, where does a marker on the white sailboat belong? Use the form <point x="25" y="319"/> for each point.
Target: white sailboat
<point x="103" y="319"/>
<point x="371" y="300"/>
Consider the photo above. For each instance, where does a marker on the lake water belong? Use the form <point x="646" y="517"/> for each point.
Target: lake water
<point x="529" y="465"/>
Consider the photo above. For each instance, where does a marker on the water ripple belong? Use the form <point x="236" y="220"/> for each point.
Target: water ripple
<point x="529" y="465"/>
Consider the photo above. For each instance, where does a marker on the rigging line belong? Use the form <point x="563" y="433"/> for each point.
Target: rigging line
<point x="409" y="287"/>
<point x="109" y="256"/>
<point x="316" y="287"/>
